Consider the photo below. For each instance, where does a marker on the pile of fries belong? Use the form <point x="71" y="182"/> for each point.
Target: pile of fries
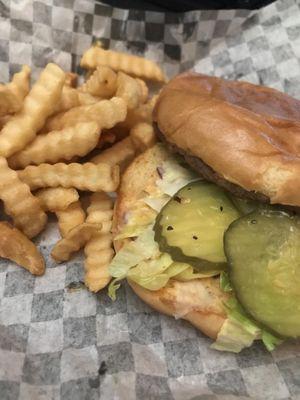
<point x="60" y="140"/>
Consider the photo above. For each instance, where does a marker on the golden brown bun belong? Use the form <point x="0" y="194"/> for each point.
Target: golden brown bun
<point x="200" y="301"/>
<point x="248" y="134"/>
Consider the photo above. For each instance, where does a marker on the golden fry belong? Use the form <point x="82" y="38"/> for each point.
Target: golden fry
<point x="102" y="82"/>
<point x="19" y="203"/>
<point x="58" y="145"/>
<point x="144" y="90"/>
<point x="86" y="99"/>
<point x="71" y="79"/>
<point x="141" y="114"/>
<point x="4" y="119"/>
<point x="70" y="217"/>
<point x="143" y="136"/>
<point x="120" y="154"/>
<point x="107" y="113"/>
<point x="37" y="106"/>
<point x="69" y="99"/>
<point x="130" y="90"/>
<point x="98" y="250"/>
<point x="74" y="240"/>
<point x="13" y="94"/>
<point x="57" y="199"/>
<point x="130" y="64"/>
<point x="15" y="246"/>
<point x="86" y="176"/>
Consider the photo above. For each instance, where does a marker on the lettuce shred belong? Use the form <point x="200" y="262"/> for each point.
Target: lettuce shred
<point x="239" y="332"/>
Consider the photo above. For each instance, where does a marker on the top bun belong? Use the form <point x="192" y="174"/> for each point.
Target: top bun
<point x="248" y="134"/>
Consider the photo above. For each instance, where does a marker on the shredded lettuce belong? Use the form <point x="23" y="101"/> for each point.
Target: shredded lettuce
<point x="238" y="331"/>
<point x="174" y="177"/>
<point x="189" y="273"/>
<point x="143" y="248"/>
<point x="225" y="284"/>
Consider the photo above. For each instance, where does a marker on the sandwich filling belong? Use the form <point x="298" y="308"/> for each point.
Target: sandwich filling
<point x="179" y="237"/>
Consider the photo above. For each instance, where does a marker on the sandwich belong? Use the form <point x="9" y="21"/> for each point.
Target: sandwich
<point x="206" y="222"/>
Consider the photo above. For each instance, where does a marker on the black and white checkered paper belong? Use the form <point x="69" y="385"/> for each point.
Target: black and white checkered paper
<point x="57" y="340"/>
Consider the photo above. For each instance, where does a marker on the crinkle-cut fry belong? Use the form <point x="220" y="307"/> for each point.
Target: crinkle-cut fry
<point x="15" y="246"/>
<point x="69" y="99"/>
<point x="107" y="113"/>
<point x="37" y="106"/>
<point x="130" y="64"/>
<point x="72" y="216"/>
<point x="88" y="176"/>
<point x="71" y="79"/>
<point x="102" y="82"/>
<point x="143" y="136"/>
<point x="13" y="94"/>
<point x="77" y="140"/>
<point x="4" y="119"/>
<point x="106" y="137"/>
<point x="86" y="99"/>
<point x="19" y="203"/>
<point x="98" y="250"/>
<point x="129" y="89"/>
<point x="143" y="113"/>
<point x="74" y="240"/>
<point x="144" y="90"/>
<point x="57" y="199"/>
<point x="120" y="154"/>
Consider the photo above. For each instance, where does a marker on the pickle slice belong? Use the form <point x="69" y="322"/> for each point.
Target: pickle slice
<point x="263" y="253"/>
<point x="191" y="226"/>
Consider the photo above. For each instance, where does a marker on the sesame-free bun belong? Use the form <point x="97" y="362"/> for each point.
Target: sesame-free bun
<point x="248" y="134"/>
<point x="199" y="301"/>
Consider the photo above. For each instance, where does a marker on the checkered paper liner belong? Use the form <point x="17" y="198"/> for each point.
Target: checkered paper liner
<point x="57" y="340"/>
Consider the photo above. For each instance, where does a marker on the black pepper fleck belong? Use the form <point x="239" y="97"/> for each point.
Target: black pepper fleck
<point x="195" y="237"/>
<point x="178" y="199"/>
<point x="170" y="228"/>
<point x="254" y="222"/>
<point x="221" y="208"/>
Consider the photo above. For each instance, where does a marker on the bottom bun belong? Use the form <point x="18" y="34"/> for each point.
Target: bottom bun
<point x="198" y="301"/>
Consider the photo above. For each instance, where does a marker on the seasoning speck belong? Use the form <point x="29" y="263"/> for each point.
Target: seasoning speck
<point x="195" y="237"/>
<point x="221" y="208"/>
<point x="103" y="368"/>
<point x="160" y="172"/>
<point x="178" y="199"/>
<point x="253" y="221"/>
<point x="170" y="228"/>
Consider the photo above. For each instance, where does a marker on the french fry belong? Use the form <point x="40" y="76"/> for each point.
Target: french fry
<point x="69" y="218"/>
<point x="13" y="94"/>
<point x="141" y="114"/>
<point x="4" y="119"/>
<point x="69" y="99"/>
<point x="58" y="145"/>
<point x="86" y="176"/>
<point x="144" y="90"/>
<point x="120" y="154"/>
<point x="107" y="113"/>
<point x="19" y="203"/>
<point x="15" y="246"/>
<point x="74" y="240"/>
<point x="57" y="199"/>
<point x="102" y="82"/>
<point x="71" y="79"/>
<point x="142" y="136"/>
<point x="86" y="99"/>
<point x="130" y="64"/>
<point x="37" y="106"/>
<point x="98" y="250"/>
<point x="129" y="89"/>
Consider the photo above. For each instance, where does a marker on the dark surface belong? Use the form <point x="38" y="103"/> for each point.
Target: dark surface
<point x="187" y="5"/>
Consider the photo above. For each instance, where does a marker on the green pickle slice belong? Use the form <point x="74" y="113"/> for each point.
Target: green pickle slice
<point x="191" y="226"/>
<point x="263" y="253"/>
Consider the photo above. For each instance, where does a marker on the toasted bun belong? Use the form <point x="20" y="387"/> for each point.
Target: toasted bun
<point x="248" y="134"/>
<point x="199" y="301"/>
